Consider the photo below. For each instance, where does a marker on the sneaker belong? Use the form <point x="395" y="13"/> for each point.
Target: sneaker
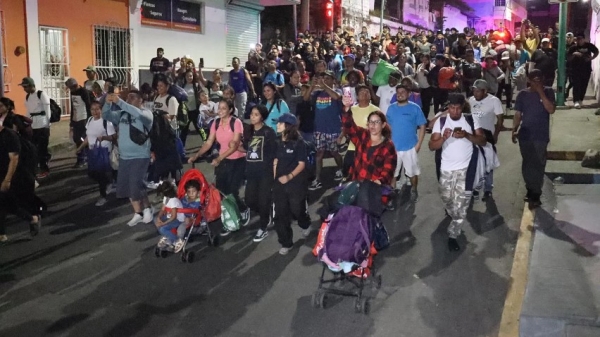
<point x="36" y="185"/>
<point x="3" y="238"/>
<point x="135" y="220"/>
<point x="414" y="195"/>
<point x="34" y="228"/>
<point x="306" y="232"/>
<point x="260" y="235"/>
<point x="390" y="206"/>
<point x="225" y="232"/>
<point x="42" y="175"/>
<point x="110" y="189"/>
<point x="148" y="215"/>
<point x="486" y="195"/>
<point x="339" y="175"/>
<point x="284" y="251"/>
<point x="245" y="217"/>
<point x="271" y="223"/>
<point x="163" y="242"/>
<point x="152" y="185"/>
<point x="315" y="185"/>
<point x="577" y="105"/>
<point x="178" y="245"/>
<point x="453" y="245"/>
<point x="475" y="195"/>
<point x="101" y="202"/>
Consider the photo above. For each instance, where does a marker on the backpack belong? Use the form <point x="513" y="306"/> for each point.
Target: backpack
<point x="230" y="214"/>
<point x="162" y="136"/>
<point x="348" y="236"/>
<point x="231" y="123"/>
<point x="104" y="123"/>
<point x="24" y="128"/>
<point x="28" y="159"/>
<point x="182" y="112"/>
<point x="55" y="110"/>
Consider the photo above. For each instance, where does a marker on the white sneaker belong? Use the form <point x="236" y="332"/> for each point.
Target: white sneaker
<point x="339" y="175"/>
<point x="110" y="189"/>
<point x="245" y="217"/>
<point x="178" y="245"/>
<point x="148" y="215"/>
<point x="284" y="251"/>
<point x="152" y="185"/>
<point x="3" y="238"/>
<point x="101" y="202"/>
<point x="306" y="232"/>
<point x="163" y="242"/>
<point x="577" y="105"/>
<point x="135" y="220"/>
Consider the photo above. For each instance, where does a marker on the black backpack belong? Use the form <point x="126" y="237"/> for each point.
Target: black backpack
<point x="182" y="112"/>
<point x="55" y="110"/>
<point x="162" y="136"/>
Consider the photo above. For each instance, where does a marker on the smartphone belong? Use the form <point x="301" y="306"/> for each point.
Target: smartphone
<point x="202" y="62"/>
<point x="458" y="128"/>
<point x="111" y="89"/>
<point x="347" y="92"/>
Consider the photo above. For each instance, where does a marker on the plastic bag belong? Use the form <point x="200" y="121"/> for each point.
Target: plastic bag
<point x="382" y="73"/>
<point x="230" y="214"/>
<point x="114" y="158"/>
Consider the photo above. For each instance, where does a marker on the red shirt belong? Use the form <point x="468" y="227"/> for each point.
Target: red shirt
<point x="370" y="162"/>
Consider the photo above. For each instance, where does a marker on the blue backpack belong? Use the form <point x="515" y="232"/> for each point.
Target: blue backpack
<point x="348" y="236"/>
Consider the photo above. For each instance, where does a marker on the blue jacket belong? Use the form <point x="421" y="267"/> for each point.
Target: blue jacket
<point x="140" y="118"/>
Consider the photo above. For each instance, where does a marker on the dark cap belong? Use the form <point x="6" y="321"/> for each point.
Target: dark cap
<point x="396" y="74"/>
<point x="480" y="84"/>
<point x="440" y="57"/>
<point x="350" y="56"/>
<point x="456" y="98"/>
<point x="328" y="73"/>
<point x="287" y="118"/>
<point x="536" y="75"/>
<point x="27" y="81"/>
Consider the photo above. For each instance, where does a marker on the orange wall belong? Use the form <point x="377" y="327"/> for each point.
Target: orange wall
<point x="14" y="20"/>
<point x="78" y="16"/>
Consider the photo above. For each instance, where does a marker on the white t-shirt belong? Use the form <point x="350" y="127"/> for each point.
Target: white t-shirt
<point x="456" y="153"/>
<point x="191" y="94"/>
<point x="385" y="94"/>
<point x="211" y="107"/>
<point x="174" y="203"/>
<point x="33" y="104"/>
<point x="95" y="129"/>
<point x="160" y="104"/>
<point x="486" y="110"/>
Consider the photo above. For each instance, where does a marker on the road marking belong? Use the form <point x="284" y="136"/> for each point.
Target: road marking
<point x="509" y="325"/>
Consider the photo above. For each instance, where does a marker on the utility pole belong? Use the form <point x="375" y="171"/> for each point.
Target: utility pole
<point x="562" y="45"/>
<point x="381" y="19"/>
<point x="1" y="66"/>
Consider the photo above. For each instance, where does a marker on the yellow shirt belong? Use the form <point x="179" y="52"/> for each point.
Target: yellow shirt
<point x="360" y="116"/>
<point x="531" y="45"/>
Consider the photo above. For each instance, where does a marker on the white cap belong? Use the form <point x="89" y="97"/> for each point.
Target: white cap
<point x="545" y="40"/>
<point x="505" y="55"/>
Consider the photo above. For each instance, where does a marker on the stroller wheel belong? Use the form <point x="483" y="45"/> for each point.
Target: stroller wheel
<point x="315" y="299"/>
<point x="378" y="281"/>
<point x="157" y="252"/>
<point x="365" y="305"/>
<point x="163" y="253"/>
<point x="322" y="300"/>
<point x="190" y="257"/>
<point x="357" y="306"/>
<point x="184" y="257"/>
<point x="214" y="241"/>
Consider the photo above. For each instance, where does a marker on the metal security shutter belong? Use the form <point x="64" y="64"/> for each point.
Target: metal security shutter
<point x="243" y="29"/>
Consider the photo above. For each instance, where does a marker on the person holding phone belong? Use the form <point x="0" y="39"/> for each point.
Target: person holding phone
<point x="455" y="135"/>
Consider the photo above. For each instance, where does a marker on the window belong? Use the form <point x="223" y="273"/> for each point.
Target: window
<point x="113" y="54"/>
<point x="500" y="3"/>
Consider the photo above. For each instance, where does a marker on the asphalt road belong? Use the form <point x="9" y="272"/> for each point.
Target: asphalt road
<point x="88" y="274"/>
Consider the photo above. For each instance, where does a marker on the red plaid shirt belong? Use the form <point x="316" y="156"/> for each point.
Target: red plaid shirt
<point x="370" y="163"/>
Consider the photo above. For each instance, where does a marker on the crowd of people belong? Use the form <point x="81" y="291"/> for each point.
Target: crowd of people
<point x="318" y="94"/>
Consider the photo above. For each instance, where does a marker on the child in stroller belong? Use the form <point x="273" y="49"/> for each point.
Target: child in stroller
<point x="172" y="217"/>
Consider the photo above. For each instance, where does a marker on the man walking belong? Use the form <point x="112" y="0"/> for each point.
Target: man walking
<point x="37" y="104"/>
<point x="134" y="151"/>
<point x="404" y="118"/>
<point x="80" y="112"/>
<point x="487" y="112"/>
<point x="580" y="58"/>
<point x="240" y="80"/>
<point x="92" y="77"/>
<point x="455" y="136"/>
<point x="531" y="126"/>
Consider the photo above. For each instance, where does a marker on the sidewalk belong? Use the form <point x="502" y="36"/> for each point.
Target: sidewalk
<point x="59" y="137"/>
<point x="562" y="296"/>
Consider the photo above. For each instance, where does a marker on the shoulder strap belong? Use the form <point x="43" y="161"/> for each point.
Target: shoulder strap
<point x="232" y="123"/>
<point x="105" y="123"/>
<point x="469" y="119"/>
<point x="442" y="122"/>
<point x="167" y="101"/>
<point x="39" y="94"/>
<point x="88" y="122"/>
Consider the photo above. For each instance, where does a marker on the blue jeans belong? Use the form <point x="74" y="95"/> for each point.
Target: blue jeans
<point x="489" y="182"/>
<point x="166" y="229"/>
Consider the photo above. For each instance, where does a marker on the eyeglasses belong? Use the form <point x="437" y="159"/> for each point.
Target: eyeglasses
<point x="374" y="122"/>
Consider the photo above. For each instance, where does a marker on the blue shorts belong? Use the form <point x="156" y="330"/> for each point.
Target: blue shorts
<point x="326" y="141"/>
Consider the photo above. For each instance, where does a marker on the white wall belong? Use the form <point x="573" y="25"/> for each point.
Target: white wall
<point x="210" y="44"/>
<point x="33" y="42"/>
<point x="454" y="18"/>
<point x="594" y="37"/>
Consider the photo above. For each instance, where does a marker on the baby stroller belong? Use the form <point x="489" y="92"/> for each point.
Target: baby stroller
<point x="346" y="246"/>
<point x="202" y="222"/>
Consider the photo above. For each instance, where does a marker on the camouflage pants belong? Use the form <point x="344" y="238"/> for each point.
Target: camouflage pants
<point x="455" y="198"/>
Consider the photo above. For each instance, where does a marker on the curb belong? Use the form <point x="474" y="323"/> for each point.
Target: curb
<point x="565" y="155"/>
<point x="60" y="147"/>
<point x="509" y="324"/>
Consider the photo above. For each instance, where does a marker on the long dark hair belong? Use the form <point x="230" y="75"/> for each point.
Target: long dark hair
<point x="9" y="104"/>
<point x="230" y="105"/>
<point x="276" y="95"/>
<point x="167" y="189"/>
<point x="386" y="131"/>
<point x="291" y="133"/>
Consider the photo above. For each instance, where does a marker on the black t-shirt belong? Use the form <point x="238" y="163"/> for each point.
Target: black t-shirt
<point x="9" y="143"/>
<point x="289" y="154"/>
<point x="306" y="113"/>
<point x="587" y="50"/>
<point x="459" y="51"/>
<point x="545" y="60"/>
<point x="471" y="71"/>
<point x="159" y="64"/>
<point x="260" y="151"/>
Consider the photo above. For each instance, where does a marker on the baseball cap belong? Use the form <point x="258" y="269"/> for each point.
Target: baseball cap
<point x="351" y="56"/>
<point x="505" y="55"/>
<point x="27" y="81"/>
<point x="90" y="68"/>
<point x="569" y="34"/>
<point x="328" y="73"/>
<point x="480" y="84"/>
<point x="545" y="40"/>
<point x="456" y="98"/>
<point x="287" y="118"/>
<point x="71" y="82"/>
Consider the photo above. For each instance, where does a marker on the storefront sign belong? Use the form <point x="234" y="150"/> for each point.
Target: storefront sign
<point x="172" y="14"/>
